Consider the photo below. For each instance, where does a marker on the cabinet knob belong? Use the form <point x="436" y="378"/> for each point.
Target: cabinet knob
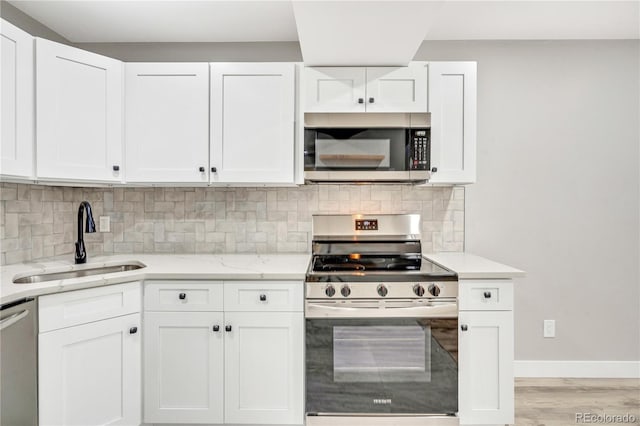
<point x="263" y="297"/>
<point x="464" y="327"/>
<point x="227" y="328"/>
<point x="434" y="169"/>
<point x="182" y="296"/>
<point x="216" y="328"/>
<point x="116" y="168"/>
<point x="371" y="100"/>
<point x="360" y="100"/>
<point x="201" y="169"/>
<point x="133" y="330"/>
<point x="214" y="170"/>
<point x="487" y="295"/>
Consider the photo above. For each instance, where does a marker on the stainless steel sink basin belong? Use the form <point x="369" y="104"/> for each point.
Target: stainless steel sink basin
<point x="76" y="273"/>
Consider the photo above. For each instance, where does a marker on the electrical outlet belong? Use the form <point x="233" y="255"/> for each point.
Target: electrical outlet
<point x="549" y="328"/>
<point x="105" y="224"/>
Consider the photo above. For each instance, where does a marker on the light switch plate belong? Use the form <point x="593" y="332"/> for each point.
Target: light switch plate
<point x="549" y="328"/>
<point x="105" y="224"/>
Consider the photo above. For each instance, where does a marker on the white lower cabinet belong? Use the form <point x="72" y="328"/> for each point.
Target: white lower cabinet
<point x="264" y="368"/>
<point x="205" y="365"/>
<point x="183" y="376"/>
<point x="90" y="374"/>
<point x="486" y="384"/>
<point x="89" y="357"/>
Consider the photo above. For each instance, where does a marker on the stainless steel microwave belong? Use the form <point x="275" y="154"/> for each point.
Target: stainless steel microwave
<point x="368" y="147"/>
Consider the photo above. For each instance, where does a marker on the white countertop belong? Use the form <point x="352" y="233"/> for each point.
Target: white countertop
<point x="469" y="266"/>
<point x="213" y="267"/>
<point x="158" y="266"/>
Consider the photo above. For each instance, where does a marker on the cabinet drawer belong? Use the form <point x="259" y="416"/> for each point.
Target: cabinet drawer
<point x="485" y="295"/>
<point x="257" y="296"/>
<point x="183" y="296"/>
<point x="83" y="306"/>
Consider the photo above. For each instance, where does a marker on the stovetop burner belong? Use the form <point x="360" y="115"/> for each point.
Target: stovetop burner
<point x="357" y="262"/>
<point x="345" y="251"/>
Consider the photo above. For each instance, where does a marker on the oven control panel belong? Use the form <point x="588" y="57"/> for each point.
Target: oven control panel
<point x="366" y="224"/>
<point x="382" y="290"/>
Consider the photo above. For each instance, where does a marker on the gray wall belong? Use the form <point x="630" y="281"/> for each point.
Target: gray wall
<point x="558" y="188"/>
<point x="558" y="191"/>
<point x="27" y="23"/>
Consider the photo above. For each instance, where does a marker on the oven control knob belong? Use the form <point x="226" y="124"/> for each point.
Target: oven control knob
<point x="382" y="290"/>
<point x="418" y="289"/>
<point x="345" y="290"/>
<point x="434" y="289"/>
<point x="330" y="290"/>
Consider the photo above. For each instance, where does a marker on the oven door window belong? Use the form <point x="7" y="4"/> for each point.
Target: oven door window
<point x="374" y="366"/>
<point x="381" y="353"/>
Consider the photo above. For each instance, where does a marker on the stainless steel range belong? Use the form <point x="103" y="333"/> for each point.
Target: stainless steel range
<point x="381" y="326"/>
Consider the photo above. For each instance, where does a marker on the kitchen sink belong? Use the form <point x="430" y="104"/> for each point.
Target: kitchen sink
<point x="76" y="273"/>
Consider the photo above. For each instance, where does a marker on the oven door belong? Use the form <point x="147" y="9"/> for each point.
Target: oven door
<point x="381" y="361"/>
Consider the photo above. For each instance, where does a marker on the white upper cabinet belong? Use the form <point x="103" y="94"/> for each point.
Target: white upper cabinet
<point x="335" y="89"/>
<point x="79" y="114"/>
<point x="252" y="123"/>
<point x="452" y="103"/>
<point x="16" y="149"/>
<point x="397" y="89"/>
<point x="371" y="89"/>
<point x="167" y="122"/>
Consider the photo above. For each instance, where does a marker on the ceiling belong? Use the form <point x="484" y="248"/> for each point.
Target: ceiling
<point x="246" y="21"/>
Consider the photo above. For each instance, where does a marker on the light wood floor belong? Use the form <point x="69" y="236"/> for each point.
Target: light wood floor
<point x="555" y="402"/>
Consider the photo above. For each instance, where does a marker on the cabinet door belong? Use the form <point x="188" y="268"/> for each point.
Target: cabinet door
<point x="397" y="89"/>
<point x="334" y="89"/>
<point x="486" y="368"/>
<point x="167" y="122"/>
<point x="183" y="361"/>
<point x="264" y="368"/>
<point x="16" y="147"/>
<point x="252" y="123"/>
<point x="79" y="114"/>
<point x="90" y="374"/>
<point x="452" y="103"/>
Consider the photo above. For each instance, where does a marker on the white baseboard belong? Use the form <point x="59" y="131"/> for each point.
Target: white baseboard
<point x="578" y="369"/>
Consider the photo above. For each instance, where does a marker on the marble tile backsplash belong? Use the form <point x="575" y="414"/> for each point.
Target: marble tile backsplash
<point x="39" y="221"/>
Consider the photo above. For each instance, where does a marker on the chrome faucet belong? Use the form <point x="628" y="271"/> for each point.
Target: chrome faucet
<point x="81" y="252"/>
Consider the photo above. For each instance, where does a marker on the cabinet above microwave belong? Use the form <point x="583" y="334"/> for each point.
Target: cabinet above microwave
<point x="366" y="89"/>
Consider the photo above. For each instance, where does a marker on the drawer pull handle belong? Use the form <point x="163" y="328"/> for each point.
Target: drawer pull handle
<point x="464" y="327"/>
<point x="133" y="330"/>
<point x="228" y="328"/>
<point x="216" y="328"/>
<point x="263" y="297"/>
<point x="487" y="295"/>
<point x="182" y="296"/>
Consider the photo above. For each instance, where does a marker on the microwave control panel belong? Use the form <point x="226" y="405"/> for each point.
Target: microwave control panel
<point x="419" y="149"/>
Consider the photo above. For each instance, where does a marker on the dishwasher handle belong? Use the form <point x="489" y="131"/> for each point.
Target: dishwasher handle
<point x="9" y="320"/>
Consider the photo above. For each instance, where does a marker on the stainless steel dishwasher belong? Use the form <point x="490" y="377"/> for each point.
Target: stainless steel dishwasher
<point x="19" y="363"/>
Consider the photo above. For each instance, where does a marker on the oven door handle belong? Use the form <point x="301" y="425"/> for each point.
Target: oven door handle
<point x="409" y="310"/>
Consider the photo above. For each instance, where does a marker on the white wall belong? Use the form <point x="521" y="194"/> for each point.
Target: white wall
<point x="558" y="188"/>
